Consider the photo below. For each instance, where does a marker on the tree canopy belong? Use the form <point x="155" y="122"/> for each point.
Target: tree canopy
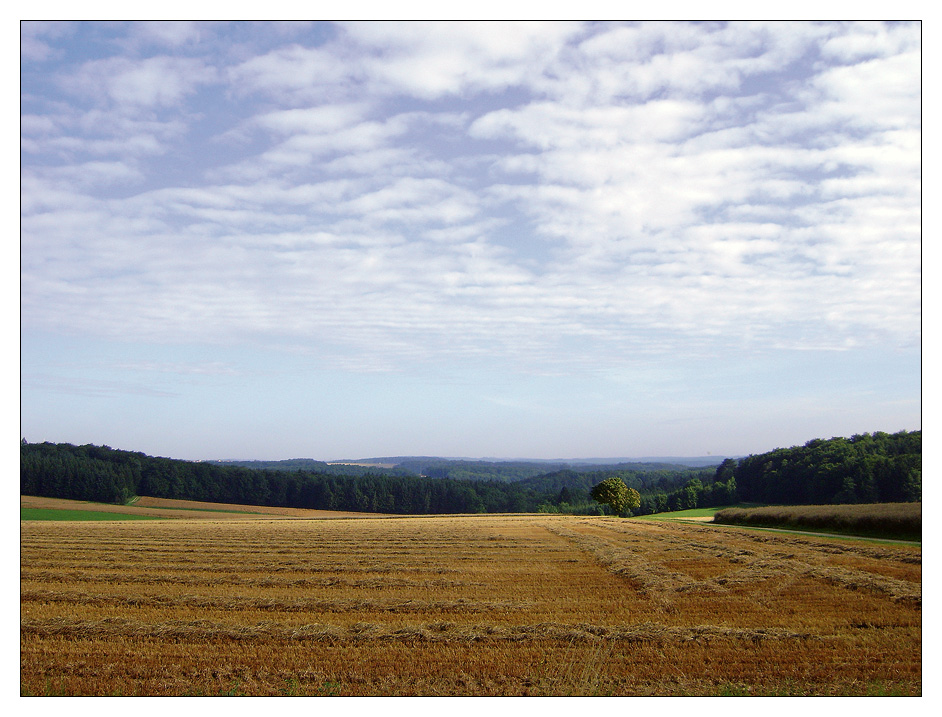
<point x="614" y="493"/>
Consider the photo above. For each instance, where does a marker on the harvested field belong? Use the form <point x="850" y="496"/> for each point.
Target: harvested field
<point x="482" y="605"/>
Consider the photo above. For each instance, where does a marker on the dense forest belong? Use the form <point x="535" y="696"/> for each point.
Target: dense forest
<point x="100" y="473"/>
<point x="877" y="467"/>
<point x="865" y="468"/>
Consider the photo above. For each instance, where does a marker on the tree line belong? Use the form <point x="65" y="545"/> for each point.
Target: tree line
<point x="865" y="468"/>
<point x="104" y="474"/>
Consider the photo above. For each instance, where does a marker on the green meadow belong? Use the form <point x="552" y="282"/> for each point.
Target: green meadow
<point x="58" y="514"/>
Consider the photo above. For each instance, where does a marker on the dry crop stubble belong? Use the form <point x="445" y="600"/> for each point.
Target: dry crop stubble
<point x="482" y="605"/>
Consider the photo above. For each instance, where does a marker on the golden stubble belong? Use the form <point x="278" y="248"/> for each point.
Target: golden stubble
<point x="462" y="605"/>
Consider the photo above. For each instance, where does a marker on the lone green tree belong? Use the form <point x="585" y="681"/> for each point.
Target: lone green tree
<point x="613" y="492"/>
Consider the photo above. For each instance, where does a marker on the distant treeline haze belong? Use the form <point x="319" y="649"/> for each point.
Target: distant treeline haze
<point x="867" y="468"/>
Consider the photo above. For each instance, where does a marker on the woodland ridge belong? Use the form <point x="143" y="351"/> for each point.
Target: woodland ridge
<point x="865" y="468"/>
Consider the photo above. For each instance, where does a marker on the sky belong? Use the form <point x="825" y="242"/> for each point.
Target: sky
<point x="541" y="240"/>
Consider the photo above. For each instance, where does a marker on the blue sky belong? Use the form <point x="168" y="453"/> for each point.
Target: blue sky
<point x="560" y="240"/>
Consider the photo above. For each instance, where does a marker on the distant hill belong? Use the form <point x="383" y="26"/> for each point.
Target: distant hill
<point x="498" y="469"/>
<point x="865" y="468"/>
<point x="338" y="468"/>
<point x="692" y="461"/>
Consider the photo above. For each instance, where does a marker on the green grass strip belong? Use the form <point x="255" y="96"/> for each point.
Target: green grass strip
<point x="681" y="514"/>
<point x="694" y="512"/>
<point x="57" y="514"/>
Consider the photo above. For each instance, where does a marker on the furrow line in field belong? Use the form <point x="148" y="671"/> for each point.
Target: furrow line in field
<point x="658" y="582"/>
<point x="77" y="577"/>
<point x="654" y="580"/>
<point x="274" y="605"/>
<point x="899" y="591"/>
<point x="198" y="630"/>
<point x="192" y="566"/>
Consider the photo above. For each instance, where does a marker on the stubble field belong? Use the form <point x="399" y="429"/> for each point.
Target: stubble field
<point x="483" y="605"/>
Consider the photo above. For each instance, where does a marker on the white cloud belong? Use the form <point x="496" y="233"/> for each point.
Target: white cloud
<point x="89" y="175"/>
<point x="549" y="126"/>
<point x="38" y="39"/>
<point x="558" y="195"/>
<point x="133" y="85"/>
<point x="296" y="74"/>
<point x="166" y="33"/>
<point x="312" y="120"/>
<point x="849" y="93"/>
<point x="866" y="40"/>
<point x="431" y="60"/>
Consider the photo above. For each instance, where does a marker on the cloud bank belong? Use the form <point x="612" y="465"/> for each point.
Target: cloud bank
<point x="557" y="198"/>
